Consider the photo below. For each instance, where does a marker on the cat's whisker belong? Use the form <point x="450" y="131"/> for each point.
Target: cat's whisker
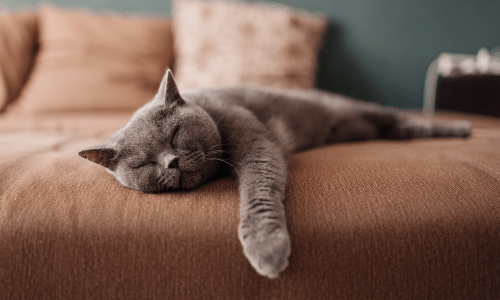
<point x="221" y="160"/>
<point x="208" y="154"/>
<point x="222" y="143"/>
<point x="216" y="151"/>
<point x="161" y="182"/>
<point x="222" y="151"/>
<point x="218" y="122"/>
<point x="207" y="149"/>
<point x="221" y="117"/>
<point x="211" y="147"/>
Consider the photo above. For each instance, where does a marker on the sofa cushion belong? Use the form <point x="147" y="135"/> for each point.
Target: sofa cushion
<point x="226" y="43"/>
<point x="91" y="61"/>
<point x="368" y="220"/>
<point x="17" y="50"/>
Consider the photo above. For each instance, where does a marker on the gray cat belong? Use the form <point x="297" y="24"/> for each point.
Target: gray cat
<point x="181" y="141"/>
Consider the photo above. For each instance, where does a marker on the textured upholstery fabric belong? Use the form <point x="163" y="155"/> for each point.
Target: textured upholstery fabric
<point x="90" y="61"/>
<point x="228" y="43"/>
<point x="377" y="219"/>
<point x="17" y="51"/>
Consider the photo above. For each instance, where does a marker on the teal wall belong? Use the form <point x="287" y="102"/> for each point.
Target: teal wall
<point x="377" y="50"/>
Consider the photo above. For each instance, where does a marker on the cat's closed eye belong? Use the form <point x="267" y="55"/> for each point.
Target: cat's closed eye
<point x="148" y="164"/>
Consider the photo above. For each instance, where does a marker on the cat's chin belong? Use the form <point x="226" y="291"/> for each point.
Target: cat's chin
<point x="185" y="181"/>
<point x="169" y="182"/>
<point x="190" y="180"/>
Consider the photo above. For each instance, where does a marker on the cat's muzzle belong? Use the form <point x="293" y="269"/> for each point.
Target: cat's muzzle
<point x="169" y="180"/>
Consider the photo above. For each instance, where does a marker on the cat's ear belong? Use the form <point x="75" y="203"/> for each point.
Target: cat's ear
<point x="101" y="155"/>
<point x="168" y="92"/>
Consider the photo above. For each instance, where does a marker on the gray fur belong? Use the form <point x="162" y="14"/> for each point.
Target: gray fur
<point x="179" y="141"/>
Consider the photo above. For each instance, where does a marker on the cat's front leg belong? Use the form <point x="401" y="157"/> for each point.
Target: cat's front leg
<point x="263" y="229"/>
<point x="261" y="169"/>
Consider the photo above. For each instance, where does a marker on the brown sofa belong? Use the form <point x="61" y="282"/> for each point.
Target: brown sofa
<point x="368" y="220"/>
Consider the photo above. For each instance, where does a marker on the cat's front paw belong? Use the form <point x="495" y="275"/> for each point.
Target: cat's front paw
<point x="267" y="252"/>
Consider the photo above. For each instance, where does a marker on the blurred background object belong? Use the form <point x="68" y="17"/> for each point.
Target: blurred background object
<point x="465" y="83"/>
<point x="378" y="50"/>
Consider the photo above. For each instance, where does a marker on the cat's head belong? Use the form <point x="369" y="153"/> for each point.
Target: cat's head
<point x="168" y="144"/>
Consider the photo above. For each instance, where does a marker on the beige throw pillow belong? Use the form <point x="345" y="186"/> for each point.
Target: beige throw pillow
<point x="227" y="43"/>
<point x="89" y="61"/>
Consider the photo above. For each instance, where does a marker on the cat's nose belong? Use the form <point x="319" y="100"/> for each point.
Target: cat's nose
<point x="169" y="160"/>
<point x="174" y="163"/>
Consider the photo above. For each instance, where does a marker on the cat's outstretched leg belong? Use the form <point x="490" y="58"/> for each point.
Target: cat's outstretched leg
<point x="263" y="229"/>
<point x="389" y="123"/>
<point x="261" y="170"/>
<point x="410" y="128"/>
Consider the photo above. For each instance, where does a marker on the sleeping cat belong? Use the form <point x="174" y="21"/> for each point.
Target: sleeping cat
<point x="181" y="141"/>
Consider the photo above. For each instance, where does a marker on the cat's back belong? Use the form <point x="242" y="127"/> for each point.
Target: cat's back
<point x="298" y="119"/>
<point x="268" y="99"/>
